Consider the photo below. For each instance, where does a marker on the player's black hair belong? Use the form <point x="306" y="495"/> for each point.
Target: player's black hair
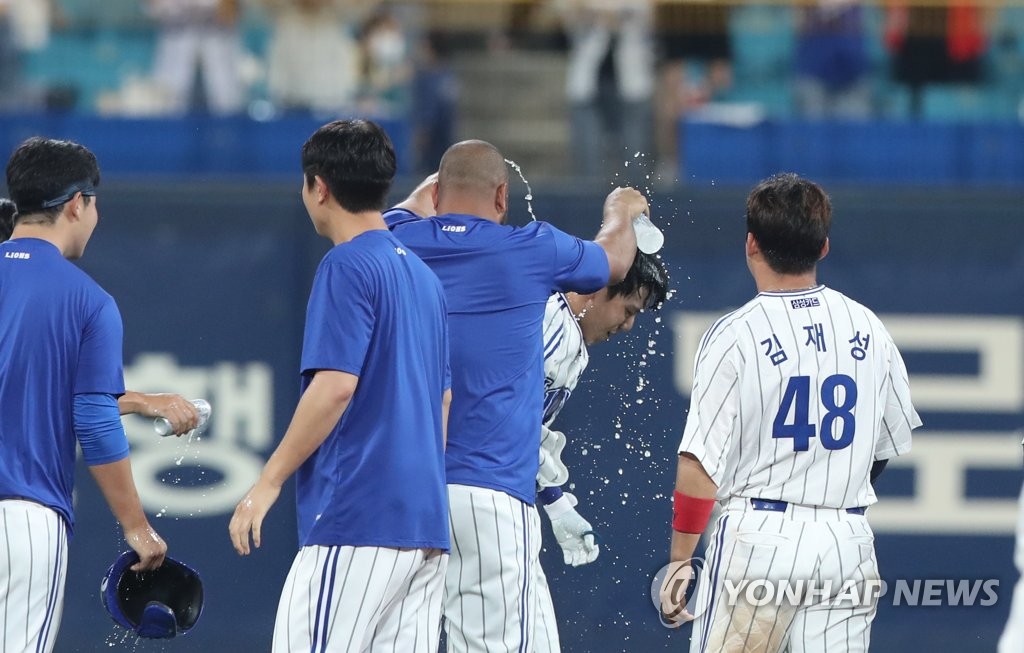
<point x="356" y="160"/>
<point x="789" y="218"/>
<point x="647" y="271"/>
<point x="8" y="211"/>
<point x="43" y="174"/>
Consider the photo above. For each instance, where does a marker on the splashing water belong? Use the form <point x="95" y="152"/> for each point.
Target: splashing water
<point x="529" y="191"/>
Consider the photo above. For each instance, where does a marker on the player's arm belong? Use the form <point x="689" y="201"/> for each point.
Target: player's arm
<point x="421" y="199"/>
<point x="692" y="502"/>
<point x="446" y="407"/>
<point x="318" y="412"/>
<point x="616" y="236"/>
<point x="174" y="408"/>
<point x="97" y="425"/>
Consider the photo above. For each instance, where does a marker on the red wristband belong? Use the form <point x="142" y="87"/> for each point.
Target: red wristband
<point x="690" y="514"/>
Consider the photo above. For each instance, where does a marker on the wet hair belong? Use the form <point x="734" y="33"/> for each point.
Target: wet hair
<point x="8" y="212"/>
<point x="356" y="160"/>
<point x="789" y="218"/>
<point x="43" y="174"/>
<point x="646" y="272"/>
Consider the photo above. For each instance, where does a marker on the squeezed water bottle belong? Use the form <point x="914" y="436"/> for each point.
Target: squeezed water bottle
<point x="649" y="238"/>
<point x="163" y="426"/>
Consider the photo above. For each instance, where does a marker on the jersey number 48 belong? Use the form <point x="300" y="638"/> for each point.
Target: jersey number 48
<point x="796" y="400"/>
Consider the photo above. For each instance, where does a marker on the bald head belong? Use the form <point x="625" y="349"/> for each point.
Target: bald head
<point x="473" y="165"/>
<point x="473" y="178"/>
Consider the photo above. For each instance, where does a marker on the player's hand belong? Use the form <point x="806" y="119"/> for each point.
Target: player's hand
<point x="673" y="594"/>
<point x="628" y="202"/>
<point x="574" y="534"/>
<point x="149" y="545"/>
<point x="177" y="410"/>
<point x="249" y="514"/>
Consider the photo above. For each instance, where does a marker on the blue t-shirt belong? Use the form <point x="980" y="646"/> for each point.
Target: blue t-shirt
<point x="497" y="279"/>
<point x="377" y="312"/>
<point x="60" y="335"/>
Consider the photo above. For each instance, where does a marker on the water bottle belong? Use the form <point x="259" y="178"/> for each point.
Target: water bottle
<point x="649" y="238"/>
<point x="163" y="426"/>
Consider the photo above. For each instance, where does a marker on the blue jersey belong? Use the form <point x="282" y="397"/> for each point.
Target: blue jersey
<point x="377" y="312"/>
<point x="60" y="335"/>
<point x="497" y="279"/>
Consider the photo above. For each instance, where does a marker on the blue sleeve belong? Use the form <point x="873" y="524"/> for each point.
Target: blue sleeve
<point x="579" y="265"/>
<point x="98" y="428"/>
<point x="100" y="355"/>
<point x="339" y="321"/>
<point x="395" y="217"/>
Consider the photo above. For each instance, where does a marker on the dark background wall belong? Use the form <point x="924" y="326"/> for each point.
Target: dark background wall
<point x="212" y="280"/>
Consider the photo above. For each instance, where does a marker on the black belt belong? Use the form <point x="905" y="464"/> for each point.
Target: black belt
<point x="780" y="506"/>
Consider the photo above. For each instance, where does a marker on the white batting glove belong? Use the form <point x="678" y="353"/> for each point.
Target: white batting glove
<point x="575" y="535"/>
<point x="551" y="472"/>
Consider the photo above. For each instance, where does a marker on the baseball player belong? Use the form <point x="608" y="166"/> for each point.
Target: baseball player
<point x="366" y="442"/>
<point x="497" y="279"/>
<point x="60" y="379"/>
<point x="572" y="322"/>
<point x="799" y="398"/>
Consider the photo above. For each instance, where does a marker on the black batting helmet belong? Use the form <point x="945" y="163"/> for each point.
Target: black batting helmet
<point x="160" y="603"/>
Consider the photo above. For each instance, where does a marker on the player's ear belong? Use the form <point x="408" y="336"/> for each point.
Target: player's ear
<point x="320" y="189"/>
<point x="824" y="250"/>
<point x="435" y="194"/>
<point x="73" y="208"/>
<point x="753" y="249"/>
<point x="501" y="198"/>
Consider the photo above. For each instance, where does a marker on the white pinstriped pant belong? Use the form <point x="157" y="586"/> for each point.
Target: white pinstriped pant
<point x="367" y="599"/>
<point x="33" y="570"/>
<point x="822" y="546"/>
<point x="490" y="598"/>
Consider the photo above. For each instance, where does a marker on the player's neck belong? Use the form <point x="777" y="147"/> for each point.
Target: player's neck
<point x="469" y="206"/>
<point x="47" y="232"/>
<point x="769" y="281"/>
<point x="578" y="304"/>
<point x="344" y="227"/>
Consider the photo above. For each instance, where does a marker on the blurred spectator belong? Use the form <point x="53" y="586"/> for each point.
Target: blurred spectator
<point x="697" y="68"/>
<point x="199" y="35"/>
<point x="434" y="96"/>
<point x="24" y="27"/>
<point x="313" y="59"/>
<point x="832" y="62"/>
<point x="610" y="79"/>
<point x="386" y="70"/>
<point x="936" y="45"/>
<point x="9" y="67"/>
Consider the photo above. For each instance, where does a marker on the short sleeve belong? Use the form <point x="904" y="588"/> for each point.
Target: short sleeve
<point x="714" y="405"/>
<point x="396" y="217"/>
<point x="339" y="321"/>
<point x="899" y="417"/>
<point x="579" y="265"/>
<point x="100" y="354"/>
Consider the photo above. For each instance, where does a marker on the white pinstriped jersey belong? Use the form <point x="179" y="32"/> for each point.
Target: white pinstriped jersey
<point x="565" y="355"/>
<point x="795" y="395"/>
